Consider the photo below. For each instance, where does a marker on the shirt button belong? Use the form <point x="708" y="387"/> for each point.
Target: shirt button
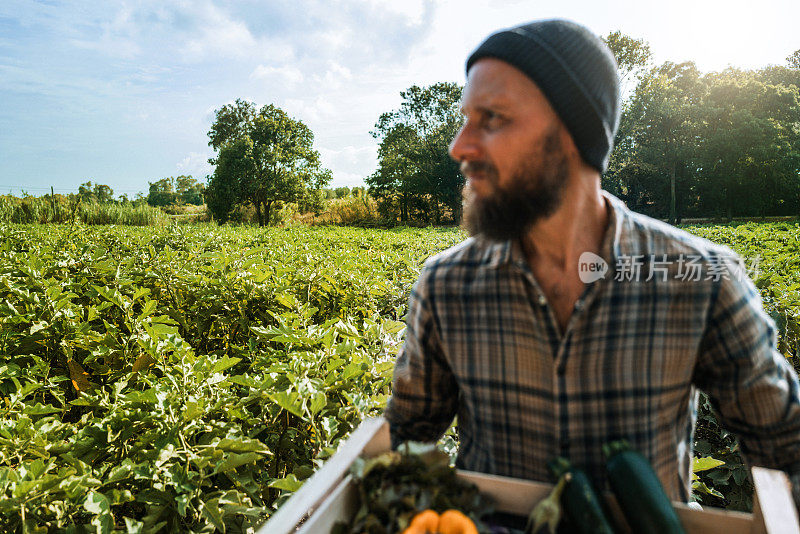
<point x="542" y="300"/>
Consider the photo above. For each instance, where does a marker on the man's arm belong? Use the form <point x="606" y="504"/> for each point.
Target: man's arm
<point x="424" y="392"/>
<point x="753" y="388"/>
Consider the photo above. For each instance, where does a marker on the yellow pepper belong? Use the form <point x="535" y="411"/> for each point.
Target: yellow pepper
<point x="450" y="522"/>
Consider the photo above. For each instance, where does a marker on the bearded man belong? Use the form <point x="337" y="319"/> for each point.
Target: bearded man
<point x="537" y="359"/>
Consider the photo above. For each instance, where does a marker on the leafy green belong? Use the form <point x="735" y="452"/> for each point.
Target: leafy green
<point x="395" y="486"/>
<point x="188" y="379"/>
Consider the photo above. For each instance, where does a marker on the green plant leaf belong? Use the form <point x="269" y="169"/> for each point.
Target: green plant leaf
<point x="213" y="514"/>
<point x="96" y="503"/>
<point x="289" y="401"/>
<point x="288" y="483"/>
<point x="704" y="464"/>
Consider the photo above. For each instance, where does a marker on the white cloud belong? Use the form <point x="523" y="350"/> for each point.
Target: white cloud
<point x="288" y="74"/>
<point x="410" y="9"/>
<point x="195" y="164"/>
<point x="316" y="111"/>
<point x="335" y="76"/>
<point x="349" y="155"/>
<point x="219" y="35"/>
<point x="349" y="179"/>
<point x="351" y="164"/>
<point x="118" y="38"/>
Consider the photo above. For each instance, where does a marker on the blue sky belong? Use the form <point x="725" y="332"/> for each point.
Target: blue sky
<point x="124" y="92"/>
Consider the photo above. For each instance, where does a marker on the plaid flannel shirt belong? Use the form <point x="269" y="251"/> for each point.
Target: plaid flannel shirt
<point x="482" y="344"/>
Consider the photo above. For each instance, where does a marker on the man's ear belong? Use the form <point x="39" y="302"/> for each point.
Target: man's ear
<point x="568" y="146"/>
<point x="575" y="161"/>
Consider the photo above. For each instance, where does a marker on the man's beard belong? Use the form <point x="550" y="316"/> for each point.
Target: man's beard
<point x="534" y="192"/>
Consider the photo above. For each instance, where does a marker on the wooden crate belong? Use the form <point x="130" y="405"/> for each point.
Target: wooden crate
<point x="330" y="496"/>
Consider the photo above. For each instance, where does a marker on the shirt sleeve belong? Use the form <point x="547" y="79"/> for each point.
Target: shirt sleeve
<point x="424" y="397"/>
<point x="752" y="386"/>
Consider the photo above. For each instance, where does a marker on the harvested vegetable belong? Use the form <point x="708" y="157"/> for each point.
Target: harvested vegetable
<point x="454" y="522"/>
<point x="450" y="522"/>
<point x="423" y="523"/>
<point x="548" y="511"/>
<point x="639" y="491"/>
<point x="398" y="486"/>
<point x="579" y="500"/>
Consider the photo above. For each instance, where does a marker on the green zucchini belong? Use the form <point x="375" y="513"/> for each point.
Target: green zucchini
<point x="579" y="500"/>
<point x="639" y="491"/>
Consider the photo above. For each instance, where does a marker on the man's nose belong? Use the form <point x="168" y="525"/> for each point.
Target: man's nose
<point x="464" y="145"/>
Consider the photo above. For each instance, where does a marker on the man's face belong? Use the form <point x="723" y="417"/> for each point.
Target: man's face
<point x="511" y="152"/>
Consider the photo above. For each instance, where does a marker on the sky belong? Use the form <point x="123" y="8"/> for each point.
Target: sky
<point x="124" y="92"/>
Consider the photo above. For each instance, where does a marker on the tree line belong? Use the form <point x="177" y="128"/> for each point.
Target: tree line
<point x="690" y="144"/>
<point x="720" y="144"/>
<point x="164" y="192"/>
<point x="180" y="190"/>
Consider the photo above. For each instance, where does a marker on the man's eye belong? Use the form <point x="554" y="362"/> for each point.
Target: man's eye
<point x="492" y="120"/>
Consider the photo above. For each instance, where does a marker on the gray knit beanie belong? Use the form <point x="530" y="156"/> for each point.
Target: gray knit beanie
<point x="577" y="73"/>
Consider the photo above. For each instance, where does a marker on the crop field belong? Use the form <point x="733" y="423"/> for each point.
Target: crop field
<point x="772" y="256"/>
<point x="179" y="379"/>
<point x="189" y="378"/>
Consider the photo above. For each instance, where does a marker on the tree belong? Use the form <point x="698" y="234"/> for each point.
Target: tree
<point x="189" y="190"/>
<point x="632" y="55"/>
<point x="95" y="192"/>
<point x="162" y="192"/>
<point x="749" y="145"/>
<point x="86" y="192"/>
<point x="223" y="192"/>
<point x="415" y="172"/>
<point x="656" y="140"/>
<point x="625" y="175"/>
<point x="232" y="121"/>
<point x="103" y="193"/>
<point x="794" y="59"/>
<point x="175" y="190"/>
<point x="264" y="156"/>
<point x="724" y="144"/>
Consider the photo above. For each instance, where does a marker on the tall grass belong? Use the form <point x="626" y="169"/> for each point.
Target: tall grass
<point x="69" y="209"/>
<point x="346" y="211"/>
<point x="124" y="214"/>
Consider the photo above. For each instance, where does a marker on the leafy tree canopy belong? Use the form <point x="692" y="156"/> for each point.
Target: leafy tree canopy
<point x="415" y="172"/>
<point x="177" y="190"/>
<point x="632" y="55"/>
<point x="263" y="156"/>
<point x="718" y="144"/>
<point x="794" y="59"/>
<point x="95" y="192"/>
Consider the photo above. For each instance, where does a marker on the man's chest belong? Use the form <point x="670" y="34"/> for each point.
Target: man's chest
<point x="623" y="368"/>
<point x="615" y="336"/>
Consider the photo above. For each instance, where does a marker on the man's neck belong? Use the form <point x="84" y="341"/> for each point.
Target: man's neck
<point x="578" y="226"/>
